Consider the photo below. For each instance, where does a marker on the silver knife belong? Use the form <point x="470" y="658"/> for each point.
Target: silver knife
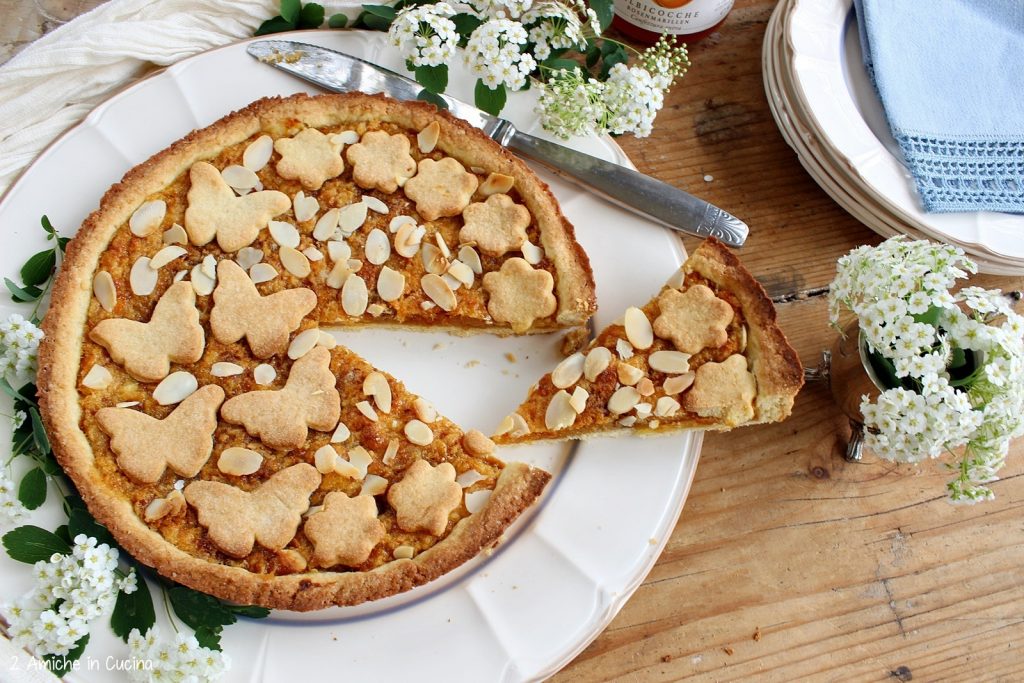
<point x="642" y="194"/>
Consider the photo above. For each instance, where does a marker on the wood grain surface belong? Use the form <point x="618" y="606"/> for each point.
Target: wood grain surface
<point x="788" y="562"/>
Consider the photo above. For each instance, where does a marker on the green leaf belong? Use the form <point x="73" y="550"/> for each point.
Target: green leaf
<point x="133" y="610"/>
<point x="433" y="98"/>
<point x="382" y="11"/>
<point x="372" y="22"/>
<point x="465" y="24"/>
<point x="290" y="10"/>
<point x="63" y="534"/>
<point x="250" y="611"/>
<point x="957" y="359"/>
<point x="337" y="21"/>
<point x="491" y="101"/>
<point x="198" y="609"/>
<point x="6" y="387"/>
<point x="32" y="490"/>
<point x="593" y="55"/>
<point x="311" y="16"/>
<point x="433" y="78"/>
<point x="62" y="664"/>
<point x="209" y="637"/>
<point x="23" y="294"/>
<point x="62" y="242"/>
<point x="275" y="25"/>
<point x="39" y="432"/>
<point x="929" y="317"/>
<point x="556" y="64"/>
<point x="51" y="232"/>
<point x="39" y="267"/>
<point x="616" y="56"/>
<point x="30" y="544"/>
<point x="605" y="12"/>
<point x="81" y="522"/>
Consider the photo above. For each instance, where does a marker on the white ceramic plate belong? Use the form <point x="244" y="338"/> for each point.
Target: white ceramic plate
<point x="565" y="569"/>
<point x="831" y="86"/>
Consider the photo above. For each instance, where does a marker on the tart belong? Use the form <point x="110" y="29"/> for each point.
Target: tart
<point x="207" y="420"/>
<point x="705" y="353"/>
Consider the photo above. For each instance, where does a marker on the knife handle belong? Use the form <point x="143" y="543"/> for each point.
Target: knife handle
<point x="635" y="191"/>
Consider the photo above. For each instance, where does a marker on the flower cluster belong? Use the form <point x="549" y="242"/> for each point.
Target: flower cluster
<point x="19" y="345"/>
<point x="558" y="25"/>
<point x="425" y="35"/>
<point x="501" y="9"/>
<point x="910" y="320"/>
<point x="494" y="53"/>
<point x="12" y="511"/>
<point x="153" y="659"/>
<point x="70" y="591"/>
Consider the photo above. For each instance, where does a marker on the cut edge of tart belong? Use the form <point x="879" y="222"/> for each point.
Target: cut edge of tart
<point x="705" y="353"/>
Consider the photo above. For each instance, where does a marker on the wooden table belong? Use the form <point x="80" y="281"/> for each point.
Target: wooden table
<point x="788" y="561"/>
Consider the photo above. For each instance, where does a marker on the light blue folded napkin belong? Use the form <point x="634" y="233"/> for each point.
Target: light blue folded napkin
<point x="950" y="74"/>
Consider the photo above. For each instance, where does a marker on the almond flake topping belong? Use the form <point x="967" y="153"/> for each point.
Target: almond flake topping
<point x="399" y="221"/>
<point x="643" y="410"/>
<point x="352" y="217"/>
<point x="324" y="459"/>
<point x="374" y="485"/>
<point x="598" y="360"/>
<point x="175" y="235"/>
<point x="624" y="349"/>
<point x="367" y="410"/>
<point x="158" y="508"/>
<point x="439" y="292"/>
<point x="461" y="272"/>
<point x="505" y="427"/>
<point x="239" y="178"/>
<point x="378" y="247"/>
<point x="476" y="500"/>
<point x="303" y="343"/>
<point x="209" y="266"/>
<point x="532" y="253"/>
<point x="175" y="388"/>
<point x="471" y="258"/>
<point x="263" y="374"/>
<point x="142" y="278"/>
<point x="578" y="400"/>
<point x="247" y="257"/>
<point x="497" y="183"/>
<point x="147" y="217"/>
<point x="675" y="385"/>
<point x="201" y="282"/>
<point x="376" y="385"/>
<point x="126" y="404"/>
<point x="262" y="272"/>
<point x="390" y="452"/>
<point x="225" y="369"/>
<point x="98" y="377"/>
<point x="433" y="260"/>
<point x="666" y="407"/>
<point x="442" y="245"/>
<point x="645" y="386"/>
<point x="285" y="234"/>
<point x="345" y="137"/>
<point x="404" y="552"/>
<point x="427" y="138"/>
<point x="629" y="374"/>
<point x="339" y="250"/>
<point x="354" y="296"/>
<point x="104" y="291"/>
<point x="304" y="207"/>
<point x="375" y="205"/>
<point x="339" y="273"/>
<point x="257" y="154"/>
<point x="476" y="443"/>
<point x="376" y="310"/>
<point x="294" y="261"/>
<point x="313" y="254"/>
<point x="341" y="433"/>
<point x="424" y="411"/>
<point x="469" y="477"/>
<point x="638" y="328"/>
<point x="560" y="413"/>
<point x="360" y="458"/>
<point x="670" y="362"/>
<point x="418" y="433"/>
<point x="390" y="284"/>
<point x="180" y="275"/>
<point x="568" y="372"/>
<point x="408" y="239"/>
<point x="326" y="340"/>
<point x="165" y="256"/>
<point x="623" y="400"/>
<point x="238" y="461"/>
<point x="326" y="225"/>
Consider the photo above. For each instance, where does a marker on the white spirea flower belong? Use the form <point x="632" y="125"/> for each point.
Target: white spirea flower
<point x="554" y="25"/>
<point x="153" y="659"/>
<point x="494" y="54"/>
<point x="70" y="591"/>
<point x="425" y="35"/>
<point x="12" y="512"/>
<point x="19" y="346"/>
<point x="501" y="9"/>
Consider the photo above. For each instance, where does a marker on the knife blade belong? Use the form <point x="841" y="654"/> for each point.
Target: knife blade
<point x="658" y="201"/>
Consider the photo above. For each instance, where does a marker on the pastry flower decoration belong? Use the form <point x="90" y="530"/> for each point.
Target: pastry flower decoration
<point x="381" y="161"/>
<point x="693" y="320"/>
<point x="345" y="531"/>
<point x="724" y="390"/>
<point x="519" y="294"/>
<point x="497" y="225"/>
<point x="441" y="188"/>
<point x="310" y="157"/>
<point x="425" y="497"/>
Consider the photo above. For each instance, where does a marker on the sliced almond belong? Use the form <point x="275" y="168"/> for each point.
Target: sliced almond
<point x="126" y="404"/>
<point x="361" y="459"/>
<point x="339" y="251"/>
<point x="461" y="272"/>
<point x="201" y="282"/>
<point x="147" y="217"/>
<point x="262" y="272"/>
<point x="354" y="296"/>
<point x="742" y="342"/>
<point x="476" y="443"/>
<point x="263" y="374"/>
<point x="471" y="258"/>
<point x="294" y="261"/>
<point x="519" y="426"/>
<point x="175" y="388"/>
<point x="225" y="369"/>
<point x="367" y="410"/>
<point x="166" y="255"/>
<point x="341" y="433"/>
<point x="399" y="221"/>
<point x="442" y="245"/>
<point x="352" y="217"/>
<point x="103" y="290"/>
<point x="624" y="349"/>
<point x="424" y="410"/>
<point x="568" y="372"/>
<point x="378" y="247"/>
<point x="374" y="485"/>
<point x="345" y="137"/>
<point x="323" y="459"/>
<point x="345" y="468"/>
<point x="326" y="225"/>
<point x="666" y="407"/>
<point x="418" y="433"/>
<point x="403" y="552"/>
<point x="180" y="275"/>
<point x="675" y="385"/>
<point x="469" y="477"/>
<point x="375" y="205"/>
<point x="304" y="207"/>
<point x="326" y="340"/>
<point x="258" y="153"/>
<point x="643" y="410"/>
<point x="532" y="254"/>
<point x="560" y="413"/>
<point x="209" y="266"/>
<point x="439" y="292"/>
<point x="638" y="328"/>
<point x="623" y="400"/>
<point x="670" y="362"/>
<point x="239" y="177"/>
<point x="497" y="183"/>
<point x="375" y="310"/>
<point x="238" y="461"/>
<point x="303" y="343"/>
<point x="390" y="452"/>
<point x="505" y="427"/>
<point x="175" y="235"/>
<point x="578" y="400"/>
<point x="408" y="239"/>
<point x="376" y="385"/>
<point x="426" y="139"/>
<point x="645" y="386"/>
<point x="339" y="273"/>
<point x="477" y="500"/>
<point x="598" y="360"/>
<point x="390" y="284"/>
<point x="628" y="421"/>
<point x="433" y="260"/>
<point x="427" y="305"/>
<point x="142" y="278"/>
<point x="98" y="377"/>
<point x="158" y="508"/>
<point x="629" y="374"/>
<point x="313" y="254"/>
<point x="247" y="257"/>
<point x="676" y="280"/>
<point x="284" y="233"/>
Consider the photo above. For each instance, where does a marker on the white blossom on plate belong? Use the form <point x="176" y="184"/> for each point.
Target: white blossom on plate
<point x="183" y="659"/>
<point x="424" y="35"/>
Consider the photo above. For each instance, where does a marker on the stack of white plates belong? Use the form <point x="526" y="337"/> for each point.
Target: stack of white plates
<point x="829" y="113"/>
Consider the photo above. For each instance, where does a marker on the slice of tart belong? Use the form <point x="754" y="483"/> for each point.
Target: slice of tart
<point x="705" y="353"/>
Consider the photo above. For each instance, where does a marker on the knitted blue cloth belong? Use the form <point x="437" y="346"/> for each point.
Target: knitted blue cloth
<point x="950" y="74"/>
